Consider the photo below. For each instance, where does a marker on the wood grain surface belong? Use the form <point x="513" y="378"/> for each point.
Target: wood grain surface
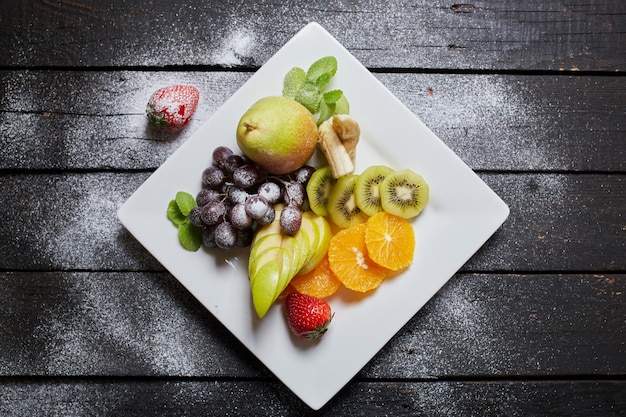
<point x="530" y="94"/>
<point x="486" y="35"/>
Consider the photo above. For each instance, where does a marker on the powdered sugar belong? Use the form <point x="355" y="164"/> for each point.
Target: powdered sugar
<point x="236" y="48"/>
<point x="490" y="121"/>
<point x="136" y="315"/>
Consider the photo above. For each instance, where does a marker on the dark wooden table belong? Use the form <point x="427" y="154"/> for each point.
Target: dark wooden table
<point x="530" y="94"/>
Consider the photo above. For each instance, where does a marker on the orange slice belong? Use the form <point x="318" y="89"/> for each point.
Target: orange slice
<point x="321" y="282"/>
<point x="390" y="240"/>
<point x="349" y="260"/>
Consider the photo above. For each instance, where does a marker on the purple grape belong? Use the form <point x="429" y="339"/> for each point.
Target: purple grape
<point x="270" y="191"/>
<point x="244" y="238"/>
<point x="213" y="177"/>
<point x="290" y="219"/>
<point x="257" y="206"/>
<point x="220" y="154"/>
<point x="233" y="162"/>
<point x="214" y="212"/>
<point x="246" y="176"/>
<point x="206" y="196"/>
<point x="294" y="194"/>
<point x="237" y="195"/>
<point x="240" y="218"/>
<point x="208" y="237"/>
<point x="303" y="174"/>
<point x="268" y="217"/>
<point x="225" y="235"/>
<point x="195" y="217"/>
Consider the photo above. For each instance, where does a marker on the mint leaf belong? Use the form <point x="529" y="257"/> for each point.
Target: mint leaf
<point x="332" y="96"/>
<point x="326" y="111"/>
<point x="326" y="67"/>
<point x="342" y="106"/>
<point x="293" y="82"/>
<point x="185" y="202"/>
<point x="309" y="96"/>
<point x="174" y="213"/>
<point x="323" y="80"/>
<point x="190" y="236"/>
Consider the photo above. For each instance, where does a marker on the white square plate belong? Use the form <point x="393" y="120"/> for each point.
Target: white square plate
<point x="462" y="213"/>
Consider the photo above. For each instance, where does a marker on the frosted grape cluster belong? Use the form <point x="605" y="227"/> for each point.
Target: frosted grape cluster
<point x="237" y="197"/>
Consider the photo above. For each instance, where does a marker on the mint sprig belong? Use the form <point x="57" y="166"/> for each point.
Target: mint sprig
<point x="308" y="88"/>
<point x="178" y="211"/>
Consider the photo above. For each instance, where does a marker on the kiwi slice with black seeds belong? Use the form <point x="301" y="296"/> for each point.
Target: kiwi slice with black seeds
<point x="367" y="190"/>
<point x="342" y="207"/>
<point x="318" y="190"/>
<point x="404" y="193"/>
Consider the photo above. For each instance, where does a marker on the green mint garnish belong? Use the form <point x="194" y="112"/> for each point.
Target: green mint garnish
<point x="326" y="111"/>
<point x="332" y="96"/>
<point x="185" y="202"/>
<point x="307" y="88"/>
<point x="342" y="106"/>
<point x="174" y="213"/>
<point x="190" y="236"/>
<point x="322" y="70"/>
<point x="309" y="96"/>
<point x="178" y="211"/>
<point x="293" y="82"/>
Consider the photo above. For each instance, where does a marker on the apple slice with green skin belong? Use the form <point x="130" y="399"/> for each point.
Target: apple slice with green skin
<point x="320" y="248"/>
<point x="264" y="286"/>
<point x="292" y="260"/>
<point x="264" y="256"/>
<point x="272" y="228"/>
<point x="273" y="268"/>
<point x="309" y="229"/>
<point x="285" y="253"/>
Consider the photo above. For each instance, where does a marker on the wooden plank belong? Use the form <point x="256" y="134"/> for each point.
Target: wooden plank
<point x="490" y="34"/>
<point x="164" y="398"/>
<point x="558" y="222"/>
<point x="146" y="324"/>
<point x="95" y="120"/>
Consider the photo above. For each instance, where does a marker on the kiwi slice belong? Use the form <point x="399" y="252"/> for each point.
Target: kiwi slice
<point x="342" y="207"/>
<point x="366" y="190"/>
<point x="404" y="193"/>
<point x="318" y="190"/>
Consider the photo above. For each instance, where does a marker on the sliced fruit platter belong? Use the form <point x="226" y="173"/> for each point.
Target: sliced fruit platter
<point x="323" y="226"/>
<point x="461" y="213"/>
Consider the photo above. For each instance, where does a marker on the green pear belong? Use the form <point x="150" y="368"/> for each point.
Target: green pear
<point x="277" y="133"/>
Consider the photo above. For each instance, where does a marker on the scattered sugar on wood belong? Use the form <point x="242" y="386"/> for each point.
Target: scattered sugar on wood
<point x="137" y="315"/>
<point x="236" y="49"/>
<point x="491" y="122"/>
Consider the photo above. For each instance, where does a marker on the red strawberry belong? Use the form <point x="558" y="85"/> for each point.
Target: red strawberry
<point x="171" y="107"/>
<point x="308" y="317"/>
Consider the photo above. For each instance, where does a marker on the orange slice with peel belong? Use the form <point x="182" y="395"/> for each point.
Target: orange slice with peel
<point x="390" y="240"/>
<point x="321" y="282"/>
<point x="350" y="261"/>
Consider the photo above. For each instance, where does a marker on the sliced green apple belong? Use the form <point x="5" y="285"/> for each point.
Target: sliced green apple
<point x="264" y="285"/>
<point x="318" y="251"/>
<point x="270" y="254"/>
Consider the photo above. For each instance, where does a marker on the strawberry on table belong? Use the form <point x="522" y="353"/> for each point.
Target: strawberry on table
<point x="308" y="317"/>
<point x="171" y="107"/>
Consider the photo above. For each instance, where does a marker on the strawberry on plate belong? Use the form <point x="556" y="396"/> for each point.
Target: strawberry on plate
<point x="308" y="317"/>
<point x="171" y="107"/>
